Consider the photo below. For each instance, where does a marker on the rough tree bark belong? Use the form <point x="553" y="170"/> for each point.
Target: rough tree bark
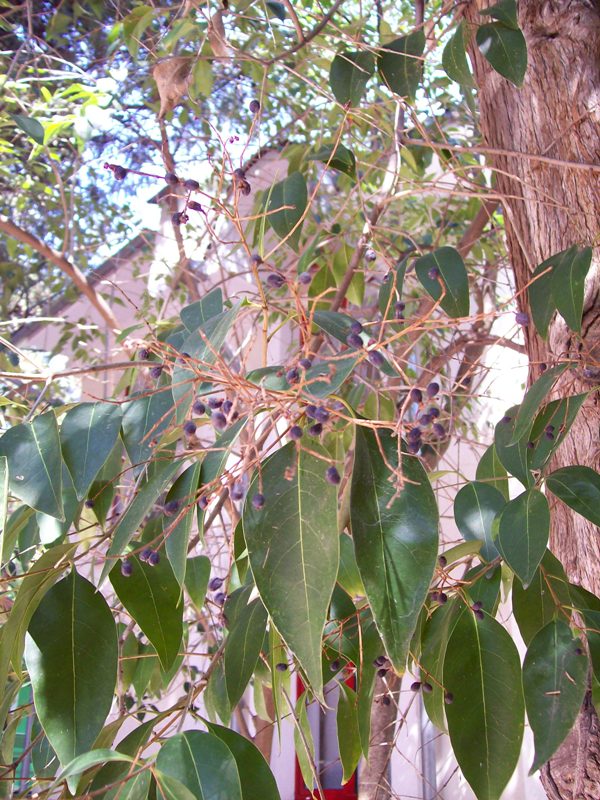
<point x="550" y="207"/>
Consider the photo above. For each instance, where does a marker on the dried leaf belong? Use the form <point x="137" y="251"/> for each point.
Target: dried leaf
<point x="172" y="76"/>
<point x="216" y="34"/>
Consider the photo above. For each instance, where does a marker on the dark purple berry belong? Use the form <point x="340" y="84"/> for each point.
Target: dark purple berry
<point x="305" y="363"/>
<point x="254" y="106"/>
<point x="126" y="568"/>
<point x="427" y="688"/>
<point x="199" y="407"/>
<point x="442" y="561"/>
<point x="416" y="396"/>
<point x="479" y="614"/>
<point x="335" y="666"/>
<point x="432" y="389"/>
<point x="448" y="698"/>
<point x="549" y="435"/>
<point x="579" y="651"/>
<point x="256" y="259"/>
<point x="215" y="402"/>
<point x="549" y="429"/>
<point x="414" y="433"/>
<point x="399" y="307"/>
<point x="153" y="558"/>
<point x="258" y="501"/>
<point x="239" y="174"/>
<point x="189" y="428"/>
<point x="237" y="491"/>
<point x="194" y="206"/>
<point x="310" y="411"/>
<point x="382" y="672"/>
<point x="305" y="278"/>
<point x="354" y="340"/>
<point x="156" y="372"/>
<point x="171" y="507"/>
<point x="171" y="179"/>
<point x="522" y="318"/>
<point x="356" y="327"/>
<point x="385" y="700"/>
<point x="415" y="686"/>
<point x="203" y="502"/>
<point x="439" y="429"/>
<point x="215" y="584"/>
<point x="425" y="419"/>
<point x="145" y="554"/>
<point x="119" y="173"/>
<point x="414" y="447"/>
<point x="220" y="598"/>
<point x="433" y="412"/>
<point x="179" y="218"/>
<point x="321" y="414"/>
<point x="245" y="188"/>
<point x="227" y="406"/>
<point x="89" y="503"/>
<point x="144" y="354"/>
<point x="376" y="358"/>
<point x="296" y="432"/>
<point x="316" y="429"/>
<point x="282" y="667"/>
<point x="371" y="255"/>
<point x="275" y="281"/>
<point x="292" y="375"/>
<point x="379" y="661"/>
<point x="543" y="367"/>
<point x="477" y="605"/>
<point x="505" y="420"/>
<point x="332" y="476"/>
<point x="219" y="420"/>
<point x="530" y="445"/>
<point x="191" y="185"/>
<point x="442" y="598"/>
<point x="433" y="274"/>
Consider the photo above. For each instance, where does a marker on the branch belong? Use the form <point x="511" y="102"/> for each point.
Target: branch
<point x="309" y="36"/>
<point x="70" y="270"/>
<point x="295" y="21"/>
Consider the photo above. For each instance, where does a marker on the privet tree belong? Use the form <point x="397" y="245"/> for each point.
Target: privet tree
<point x="226" y="519"/>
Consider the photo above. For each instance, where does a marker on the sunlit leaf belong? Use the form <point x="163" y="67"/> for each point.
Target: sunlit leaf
<point x="349" y="75"/>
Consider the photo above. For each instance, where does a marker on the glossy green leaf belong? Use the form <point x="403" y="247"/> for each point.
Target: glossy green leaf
<point x="568" y="283"/>
<point x="4" y="480"/>
<point x="256" y="778"/>
<point x="326" y="377"/>
<point x="454" y="58"/>
<point x="554" y="682"/>
<point x="303" y="741"/>
<point x="476" y="506"/>
<point x="453" y="281"/>
<point x="85" y="761"/>
<point x="177" y="538"/>
<point x="196" y="314"/>
<point x="152" y="596"/>
<point x="32" y="127"/>
<point x="546" y="598"/>
<point x="588" y="606"/>
<point x="277" y="9"/>
<point x="347" y="731"/>
<point x="504" y="11"/>
<point x="523" y="531"/>
<point x="516" y="458"/>
<point x="482" y="585"/>
<point x="87" y="435"/>
<point x="505" y="49"/>
<point x="71" y="654"/>
<point x="144" y="419"/>
<point x="482" y="671"/>
<point x="348" y="575"/>
<point x="44" y="760"/>
<point x="400" y="63"/>
<point x="559" y="413"/>
<point x="32" y="450"/>
<point x="115" y="772"/>
<point x="336" y="157"/>
<point x="539" y="291"/>
<point x="203" y="764"/>
<point x="197" y="574"/>
<point x="287" y="204"/>
<point x="169" y="788"/>
<point x="50" y="529"/>
<point x="492" y="472"/>
<point x="395" y="538"/>
<point x="533" y="400"/>
<point x="128" y="525"/>
<point x="579" y="488"/>
<point x="135" y="788"/>
<point x="215" y="460"/>
<point x="349" y="75"/>
<point x="102" y="491"/>
<point x="295" y="564"/>
<point x="242" y="648"/>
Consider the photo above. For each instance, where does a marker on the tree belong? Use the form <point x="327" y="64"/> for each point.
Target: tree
<point x="311" y="480"/>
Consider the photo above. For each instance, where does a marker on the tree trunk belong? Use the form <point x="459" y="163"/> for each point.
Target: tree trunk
<point x="374" y="783"/>
<point x="549" y="207"/>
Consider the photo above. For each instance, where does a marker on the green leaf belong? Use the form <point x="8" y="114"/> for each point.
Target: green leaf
<point x="289" y="192"/>
<point x="115" y="772"/>
<point x="203" y="764"/>
<point x="32" y="450"/>
<point x="476" y="506"/>
<point x="326" y="377"/>
<point x="554" y="682"/>
<point x="523" y="533"/>
<point x="71" y="654"/>
<point x="505" y="49"/>
<point x="293" y="547"/>
<point x="197" y="574"/>
<point x="454" y="58"/>
<point x="400" y="63"/>
<point x="339" y="158"/>
<point x="85" y="761"/>
<point x="136" y="788"/>
<point x="43" y="757"/>
<point x="349" y="75"/>
<point x="50" y="529"/>
<point x="31" y="126"/>
<point x="559" y="413"/>
<point x="335" y="323"/>
<point x="515" y="457"/>
<point x="87" y="435"/>
<point x="4" y="481"/>
<point x="277" y="9"/>
<point x="505" y="11"/>
<point x="546" y="598"/>
<point x="144" y="419"/>
<point x="541" y="303"/>
<point x="102" y="491"/>
<point x="395" y="537"/>
<point x="347" y="731"/>
<point x="579" y="488"/>
<point x="242" y="648"/>
<point x="170" y="788"/>
<point x="136" y="511"/>
<point x="152" y="596"/>
<point x="492" y="472"/>
<point x="195" y="315"/>
<point x="568" y="283"/>
<point x="482" y="671"/>
<point x="348" y="575"/>
<point x="304" y="744"/>
<point x="483" y="585"/>
<point x="256" y="778"/>
<point x="215" y="460"/>
<point x="176" y="538"/>
<point x="453" y="280"/>
<point x="533" y="400"/>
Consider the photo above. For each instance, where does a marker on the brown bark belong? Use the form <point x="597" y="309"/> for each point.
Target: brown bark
<point x="550" y="207"/>
<point x="373" y="776"/>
